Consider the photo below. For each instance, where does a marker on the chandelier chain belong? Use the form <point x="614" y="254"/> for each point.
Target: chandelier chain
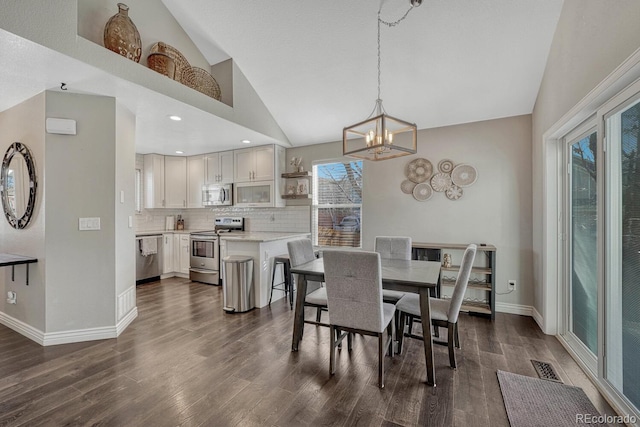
<point x="389" y="24"/>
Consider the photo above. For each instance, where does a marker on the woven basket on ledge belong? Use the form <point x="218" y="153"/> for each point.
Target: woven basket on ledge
<point x="202" y="81"/>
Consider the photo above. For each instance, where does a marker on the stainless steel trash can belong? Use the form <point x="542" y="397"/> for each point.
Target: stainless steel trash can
<point x="237" y="288"/>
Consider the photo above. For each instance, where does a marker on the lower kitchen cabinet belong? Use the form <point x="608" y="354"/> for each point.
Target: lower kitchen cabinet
<point x="176" y="256"/>
<point x="167" y="254"/>
<point x="185" y="258"/>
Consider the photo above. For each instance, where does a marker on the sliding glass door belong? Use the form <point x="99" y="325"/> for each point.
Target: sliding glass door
<point x="622" y="260"/>
<point x="581" y="243"/>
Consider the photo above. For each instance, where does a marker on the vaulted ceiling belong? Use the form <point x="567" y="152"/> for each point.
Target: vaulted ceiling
<point x="314" y="63"/>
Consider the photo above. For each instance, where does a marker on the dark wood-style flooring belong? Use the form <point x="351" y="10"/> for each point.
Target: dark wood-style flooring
<point x="183" y="361"/>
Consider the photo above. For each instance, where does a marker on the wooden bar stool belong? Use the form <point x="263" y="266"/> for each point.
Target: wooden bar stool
<point x="287" y="284"/>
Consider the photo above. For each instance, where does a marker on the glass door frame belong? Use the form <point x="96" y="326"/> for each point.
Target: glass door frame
<point x="621" y="102"/>
<point x="588" y="127"/>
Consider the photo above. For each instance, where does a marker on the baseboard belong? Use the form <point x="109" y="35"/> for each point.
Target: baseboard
<point x="126" y="321"/>
<point x="79" y="335"/>
<point x="22" y="328"/>
<point x="538" y="318"/>
<point x="522" y="310"/>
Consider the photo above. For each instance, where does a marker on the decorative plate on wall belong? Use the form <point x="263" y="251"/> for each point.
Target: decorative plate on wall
<point x="464" y="175"/>
<point x="445" y="166"/>
<point x="407" y="186"/>
<point x="419" y="170"/>
<point x="440" y="182"/>
<point x="422" y="192"/>
<point x="453" y="193"/>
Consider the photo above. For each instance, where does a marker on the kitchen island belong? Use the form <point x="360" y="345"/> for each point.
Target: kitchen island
<point x="262" y="247"/>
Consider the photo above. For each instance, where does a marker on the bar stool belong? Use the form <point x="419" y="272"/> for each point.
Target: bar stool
<point x="287" y="284"/>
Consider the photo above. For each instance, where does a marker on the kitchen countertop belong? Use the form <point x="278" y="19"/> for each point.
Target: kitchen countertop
<point x="150" y="233"/>
<point x="260" y="236"/>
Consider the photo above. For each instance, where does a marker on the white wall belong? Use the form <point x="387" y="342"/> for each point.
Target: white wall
<point x="592" y="39"/>
<point x="24" y="123"/>
<point x="495" y="210"/>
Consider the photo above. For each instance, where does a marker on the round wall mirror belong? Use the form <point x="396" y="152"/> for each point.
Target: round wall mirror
<point x="18" y="185"/>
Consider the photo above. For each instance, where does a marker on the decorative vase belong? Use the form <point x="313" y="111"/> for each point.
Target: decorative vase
<point x="122" y="36"/>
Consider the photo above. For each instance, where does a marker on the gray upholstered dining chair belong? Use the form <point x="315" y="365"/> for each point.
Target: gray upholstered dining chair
<point x="301" y="252"/>
<point x="354" y="292"/>
<point x="391" y="247"/>
<point x="444" y="312"/>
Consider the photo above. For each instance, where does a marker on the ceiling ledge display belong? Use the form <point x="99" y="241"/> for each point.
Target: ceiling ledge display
<point x="422" y="180"/>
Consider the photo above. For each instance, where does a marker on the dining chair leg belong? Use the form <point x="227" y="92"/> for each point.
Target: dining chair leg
<point x="381" y="351"/>
<point x="350" y="341"/>
<point x="318" y="314"/>
<point x="436" y="331"/>
<point x="457" y="337"/>
<point x="400" y="333"/>
<point x="450" y="343"/>
<point x="273" y="280"/>
<point x="332" y="357"/>
<point x="410" y="322"/>
<point x="391" y="334"/>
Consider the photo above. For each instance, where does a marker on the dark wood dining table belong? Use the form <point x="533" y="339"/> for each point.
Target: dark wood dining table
<point x="400" y="275"/>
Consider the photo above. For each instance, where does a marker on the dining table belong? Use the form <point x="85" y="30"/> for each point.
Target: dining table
<point x="400" y="275"/>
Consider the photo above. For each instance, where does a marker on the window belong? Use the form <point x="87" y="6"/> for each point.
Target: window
<point x="337" y="204"/>
<point x="138" y="185"/>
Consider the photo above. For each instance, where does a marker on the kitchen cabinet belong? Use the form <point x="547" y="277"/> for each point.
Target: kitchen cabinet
<point x="480" y="297"/>
<point x="185" y="254"/>
<point x="254" y="194"/>
<point x="175" y="182"/>
<point x="254" y="164"/>
<point x="167" y="254"/>
<point x="219" y="167"/>
<point x="154" y="181"/>
<point x="195" y="180"/>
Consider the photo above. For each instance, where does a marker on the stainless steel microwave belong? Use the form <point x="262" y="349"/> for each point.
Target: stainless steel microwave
<point x="217" y="195"/>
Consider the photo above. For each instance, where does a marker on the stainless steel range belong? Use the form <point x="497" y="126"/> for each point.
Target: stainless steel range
<point x="205" y="250"/>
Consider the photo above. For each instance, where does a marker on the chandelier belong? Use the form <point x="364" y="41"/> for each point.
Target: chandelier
<point x="380" y="136"/>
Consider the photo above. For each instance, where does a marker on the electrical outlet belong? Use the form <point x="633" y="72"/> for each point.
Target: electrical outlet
<point x="12" y="297"/>
<point x="512" y="285"/>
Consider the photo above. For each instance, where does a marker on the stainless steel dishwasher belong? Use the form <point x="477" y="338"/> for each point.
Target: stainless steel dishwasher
<point x="148" y="258"/>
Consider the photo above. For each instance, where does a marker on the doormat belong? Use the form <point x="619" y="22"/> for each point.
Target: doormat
<point x="534" y="402"/>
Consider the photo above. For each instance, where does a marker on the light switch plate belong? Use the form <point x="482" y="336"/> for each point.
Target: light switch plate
<point x="89" y="224"/>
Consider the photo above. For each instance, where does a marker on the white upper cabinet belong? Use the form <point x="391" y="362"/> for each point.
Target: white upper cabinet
<point x="175" y="182"/>
<point x="219" y="168"/>
<point x="153" y="181"/>
<point x="254" y="164"/>
<point x="195" y="180"/>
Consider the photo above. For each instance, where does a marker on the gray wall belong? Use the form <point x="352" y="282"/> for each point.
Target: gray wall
<point x="125" y="161"/>
<point x="81" y="177"/>
<point x="592" y="39"/>
<point x="25" y="123"/>
<point x="495" y="210"/>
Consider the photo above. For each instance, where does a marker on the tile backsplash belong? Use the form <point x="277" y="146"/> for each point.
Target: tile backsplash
<point x="295" y="219"/>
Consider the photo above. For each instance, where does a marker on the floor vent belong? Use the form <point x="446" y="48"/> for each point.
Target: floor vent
<point x="545" y="371"/>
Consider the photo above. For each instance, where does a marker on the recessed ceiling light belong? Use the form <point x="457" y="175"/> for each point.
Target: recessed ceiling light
<point x="176" y="118"/>
<point x="246" y="141"/>
<point x="179" y="152"/>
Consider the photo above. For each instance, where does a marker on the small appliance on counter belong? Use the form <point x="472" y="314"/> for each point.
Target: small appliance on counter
<point x="180" y="223"/>
<point x="170" y="223"/>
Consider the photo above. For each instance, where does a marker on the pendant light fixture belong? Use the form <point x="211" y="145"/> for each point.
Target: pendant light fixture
<point x="380" y="136"/>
